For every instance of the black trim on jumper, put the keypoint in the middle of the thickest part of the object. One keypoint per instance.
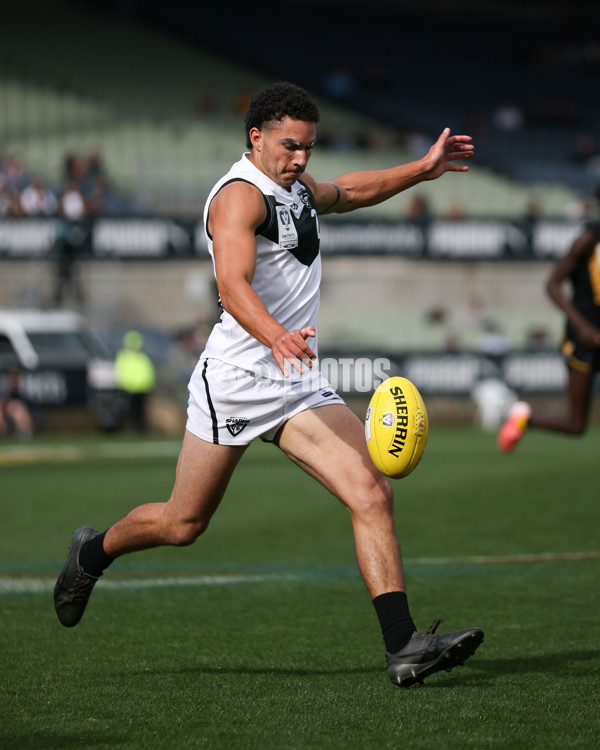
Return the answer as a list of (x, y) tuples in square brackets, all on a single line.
[(266, 223)]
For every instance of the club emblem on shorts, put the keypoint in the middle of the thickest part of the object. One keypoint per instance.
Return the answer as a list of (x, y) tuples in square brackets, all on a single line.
[(235, 425)]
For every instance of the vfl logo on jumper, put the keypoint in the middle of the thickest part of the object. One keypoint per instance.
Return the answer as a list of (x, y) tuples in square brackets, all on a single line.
[(235, 425), (288, 234)]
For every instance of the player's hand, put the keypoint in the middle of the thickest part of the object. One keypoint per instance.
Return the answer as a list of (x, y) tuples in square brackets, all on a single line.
[(446, 150), (292, 347)]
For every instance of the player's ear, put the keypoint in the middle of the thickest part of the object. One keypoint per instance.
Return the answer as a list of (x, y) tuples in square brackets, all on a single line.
[(255, 136)]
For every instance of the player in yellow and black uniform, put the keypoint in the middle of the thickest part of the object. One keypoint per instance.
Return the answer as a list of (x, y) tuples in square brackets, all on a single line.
[(581, 348), (581, 344)]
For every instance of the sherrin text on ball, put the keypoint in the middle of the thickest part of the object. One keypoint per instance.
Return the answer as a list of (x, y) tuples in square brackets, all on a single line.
[(396, 427)]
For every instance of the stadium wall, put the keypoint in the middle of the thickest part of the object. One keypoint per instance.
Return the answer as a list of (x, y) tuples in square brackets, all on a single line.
[(376, 303)]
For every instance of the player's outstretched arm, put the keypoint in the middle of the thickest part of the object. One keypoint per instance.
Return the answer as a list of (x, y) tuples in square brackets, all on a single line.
[(368, 188)]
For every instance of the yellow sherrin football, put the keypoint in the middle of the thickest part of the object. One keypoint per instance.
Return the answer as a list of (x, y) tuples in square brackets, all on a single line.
[(396, 427)]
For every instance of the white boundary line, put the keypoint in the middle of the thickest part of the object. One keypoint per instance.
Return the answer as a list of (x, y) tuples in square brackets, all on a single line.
[(504, 559), (25, 584), (15, 455), (39, 585)]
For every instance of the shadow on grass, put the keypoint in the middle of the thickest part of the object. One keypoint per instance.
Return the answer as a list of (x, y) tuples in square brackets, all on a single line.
[(457, 678), (549, 663), (266, 671), (544, 663)]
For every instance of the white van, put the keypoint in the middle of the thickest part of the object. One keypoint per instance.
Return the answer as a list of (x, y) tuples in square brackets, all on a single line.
[(61, 361)]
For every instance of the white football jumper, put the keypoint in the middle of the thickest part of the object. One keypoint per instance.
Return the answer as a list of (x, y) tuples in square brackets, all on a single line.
[(237, 391), (288, 269)]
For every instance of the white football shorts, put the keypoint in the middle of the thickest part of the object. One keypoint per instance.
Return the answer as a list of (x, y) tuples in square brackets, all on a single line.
[(229, 405)]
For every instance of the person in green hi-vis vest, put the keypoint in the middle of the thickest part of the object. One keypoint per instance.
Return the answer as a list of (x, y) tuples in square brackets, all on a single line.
[(136, 376)]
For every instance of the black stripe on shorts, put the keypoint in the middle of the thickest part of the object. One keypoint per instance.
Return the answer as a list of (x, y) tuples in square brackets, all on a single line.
[(213, 414)]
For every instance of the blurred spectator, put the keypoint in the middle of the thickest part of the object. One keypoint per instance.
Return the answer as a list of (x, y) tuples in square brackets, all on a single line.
[(67, 252), (440, 317), (72, 202), (455, 211), (418, 208), (136, 377), (242, 102), (8, 201), (75, 168), (538, 340), (13, 172), (15, 415), (508, 117), (494, 343), (380, 138), (417, 142), (531, 215), (493, 399), (533, 210), (83, 189), (206, 103), (190, 345), (95, 165), (97, 201), (37, 200)]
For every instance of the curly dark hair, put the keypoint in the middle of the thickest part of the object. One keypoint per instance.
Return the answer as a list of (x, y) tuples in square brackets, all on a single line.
[(279, 100)]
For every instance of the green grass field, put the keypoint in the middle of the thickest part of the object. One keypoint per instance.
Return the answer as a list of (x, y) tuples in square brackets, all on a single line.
[(262, 636)]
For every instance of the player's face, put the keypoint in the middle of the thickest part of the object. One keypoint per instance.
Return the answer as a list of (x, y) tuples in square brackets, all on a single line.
[(283, 149)]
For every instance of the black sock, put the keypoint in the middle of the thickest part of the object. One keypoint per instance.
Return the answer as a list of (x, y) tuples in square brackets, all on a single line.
[(92, 557), (397, 625)]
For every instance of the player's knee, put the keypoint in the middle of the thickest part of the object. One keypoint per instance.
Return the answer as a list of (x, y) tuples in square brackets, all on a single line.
[(376, 497), (184, 533)]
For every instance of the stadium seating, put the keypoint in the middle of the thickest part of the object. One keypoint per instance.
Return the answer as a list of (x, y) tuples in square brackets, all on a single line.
[(163, 114)]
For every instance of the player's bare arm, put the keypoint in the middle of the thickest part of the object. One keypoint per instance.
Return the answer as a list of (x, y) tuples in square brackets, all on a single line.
[(235, 213), (367, 188), (579, 252)]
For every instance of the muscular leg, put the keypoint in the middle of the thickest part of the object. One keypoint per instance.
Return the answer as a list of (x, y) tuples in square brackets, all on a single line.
[(329, 444), (575, 421), (203, 472)]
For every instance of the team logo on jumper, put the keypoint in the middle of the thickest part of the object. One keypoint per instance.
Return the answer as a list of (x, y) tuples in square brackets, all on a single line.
[(304, 197), (288, 234), (304, 201), (235, 425)]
